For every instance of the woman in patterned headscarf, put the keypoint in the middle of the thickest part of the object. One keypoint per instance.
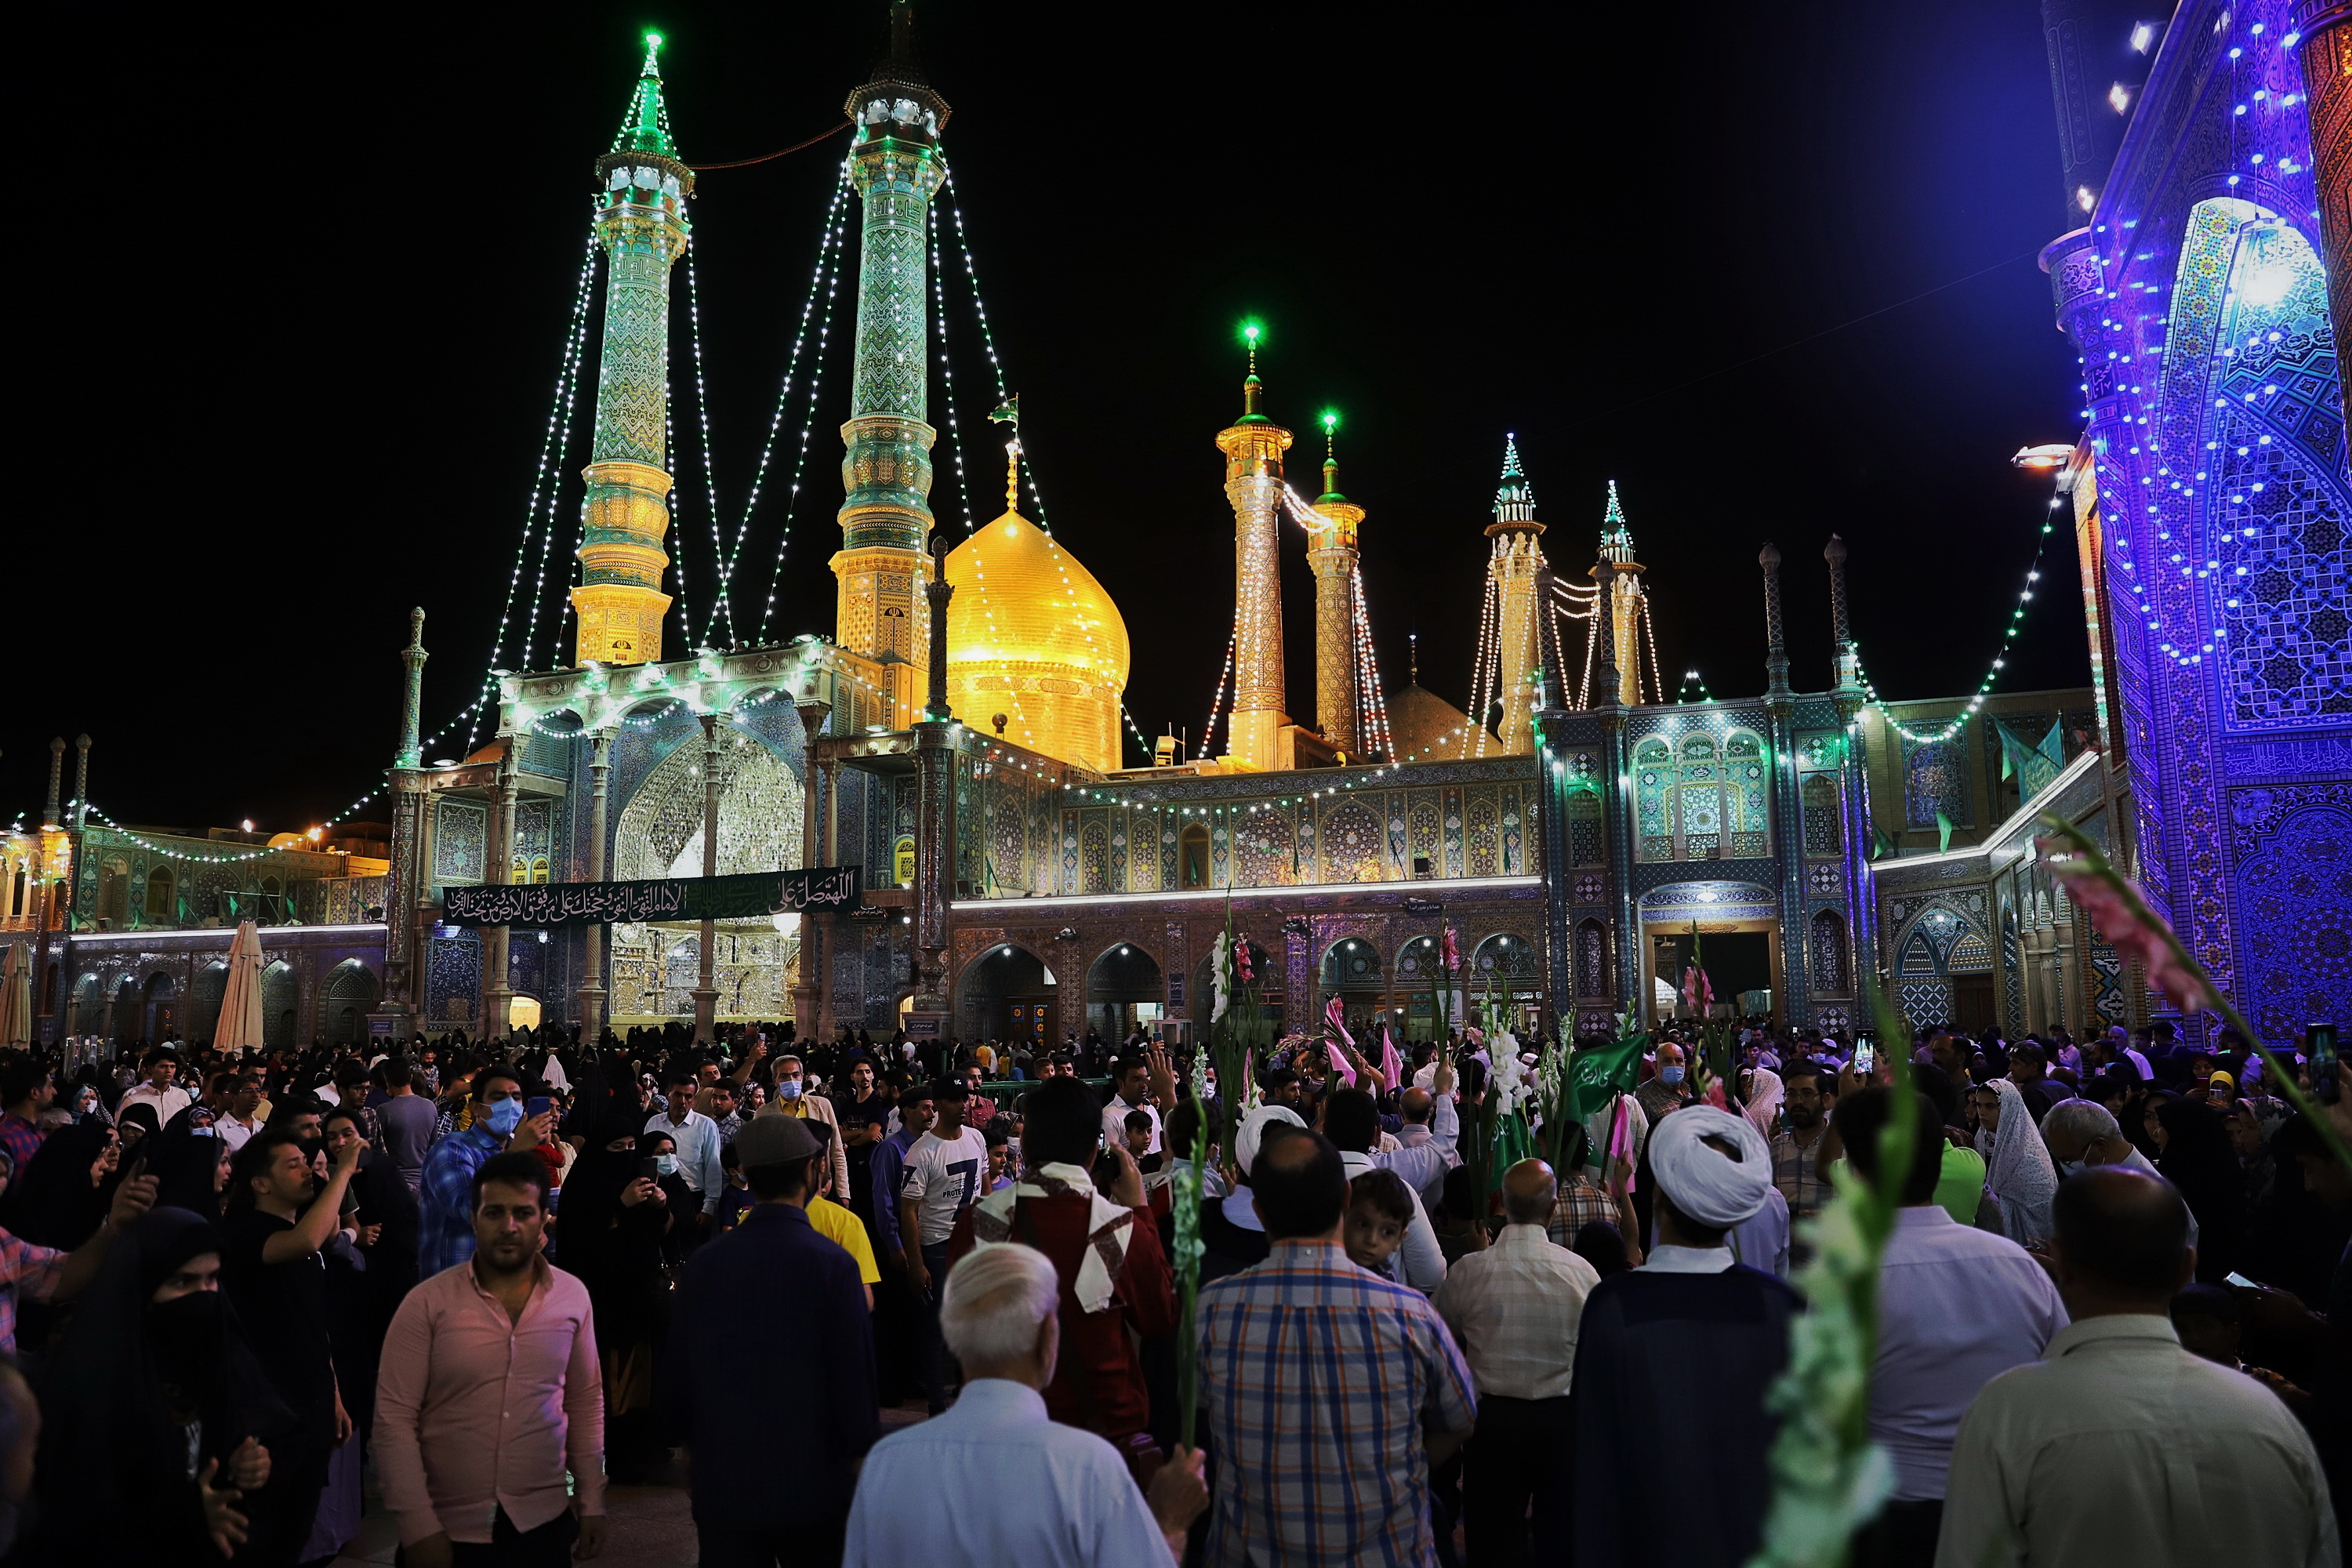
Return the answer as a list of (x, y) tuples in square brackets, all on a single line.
[(2018, 1170)]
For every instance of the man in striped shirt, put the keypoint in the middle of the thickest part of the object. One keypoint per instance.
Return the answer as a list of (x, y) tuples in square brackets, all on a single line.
[(1330, 1391)]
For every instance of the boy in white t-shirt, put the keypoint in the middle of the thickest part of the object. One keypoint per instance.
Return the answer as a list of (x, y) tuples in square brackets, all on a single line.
[(944, 1172)]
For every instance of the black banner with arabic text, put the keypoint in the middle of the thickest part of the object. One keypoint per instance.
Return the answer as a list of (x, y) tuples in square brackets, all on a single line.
[(547, 905)]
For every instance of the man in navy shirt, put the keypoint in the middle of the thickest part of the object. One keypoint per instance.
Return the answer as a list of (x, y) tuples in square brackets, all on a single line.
[(773, 1280)]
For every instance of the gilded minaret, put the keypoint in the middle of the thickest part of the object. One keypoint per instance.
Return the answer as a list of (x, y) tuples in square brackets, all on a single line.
[(1252, 445), (1333, 556), (1628, 609), (895, 164), (1516, 566), (641, 221)]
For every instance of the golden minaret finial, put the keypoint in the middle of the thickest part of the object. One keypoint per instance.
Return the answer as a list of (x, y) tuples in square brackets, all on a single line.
[(1012, 475)]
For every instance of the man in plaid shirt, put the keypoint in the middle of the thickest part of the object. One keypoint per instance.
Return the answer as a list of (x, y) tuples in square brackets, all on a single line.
[(1330, 1391), (1579, 1202)]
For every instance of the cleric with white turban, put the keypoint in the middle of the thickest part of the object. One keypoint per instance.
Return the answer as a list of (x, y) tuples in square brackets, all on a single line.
[(1677, 1357)]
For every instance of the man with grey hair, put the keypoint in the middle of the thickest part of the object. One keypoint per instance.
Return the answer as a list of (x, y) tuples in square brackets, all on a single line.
[(1017, 1487), (2083, 1134)]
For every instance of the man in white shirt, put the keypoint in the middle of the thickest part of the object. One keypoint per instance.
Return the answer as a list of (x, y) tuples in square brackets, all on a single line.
[(168, 1099), (1956, 1308), (2119, 1445), (243, 1118), (1430, 1144), (2082, 1133), (1515, 1309), (1003, 1484), (1129, 1078), (1351, 1121), (941, 1179), (697, 1137)]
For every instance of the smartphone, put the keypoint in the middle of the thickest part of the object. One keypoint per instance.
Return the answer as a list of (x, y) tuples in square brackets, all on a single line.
[(1865, 1058), (538, 1105), (649, 1169), (2239, 1280), (2319, 1050)]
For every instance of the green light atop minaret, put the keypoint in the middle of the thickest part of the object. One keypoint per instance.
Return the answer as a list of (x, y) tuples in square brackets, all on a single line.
[(646, 127)]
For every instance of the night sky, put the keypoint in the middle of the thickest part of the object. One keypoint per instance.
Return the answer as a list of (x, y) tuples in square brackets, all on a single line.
[(302, 309)]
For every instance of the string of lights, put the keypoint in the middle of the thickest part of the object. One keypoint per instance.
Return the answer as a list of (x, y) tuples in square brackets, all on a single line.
[(1992, 673), (1217, 703), (1374, 705), (678, 559), (828, 268), (554, 439), (721, 608), (261, 852), (1482, 672), (1691, 678), (828, 245)]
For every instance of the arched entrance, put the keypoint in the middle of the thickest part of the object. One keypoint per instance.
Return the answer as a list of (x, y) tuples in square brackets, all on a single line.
[(1008, 994), (156, 1017), (87, 1006), (1352, 971), (1202, 1000), (1425, 1001), (1507, 970), (1124, 989), (351, 994), (130, 1015), (280, 1004), (205, 1004)]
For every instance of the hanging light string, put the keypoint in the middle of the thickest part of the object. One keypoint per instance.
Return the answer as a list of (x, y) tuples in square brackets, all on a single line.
[(1217, 703), (1992, 673), (554, 438), (827, 266), (1691, 678), (722, 604), (262, 853), (1649, 641), (1374, 703), (947, 370), (678, 561), (1482, 671)]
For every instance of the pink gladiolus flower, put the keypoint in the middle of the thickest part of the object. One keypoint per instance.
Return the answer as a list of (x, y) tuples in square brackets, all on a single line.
[(1242, 961), (2109, 901), (1699, 992), (1450, 954)]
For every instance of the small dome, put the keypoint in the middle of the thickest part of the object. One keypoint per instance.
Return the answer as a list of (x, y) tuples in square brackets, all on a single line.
[(1033, 636)]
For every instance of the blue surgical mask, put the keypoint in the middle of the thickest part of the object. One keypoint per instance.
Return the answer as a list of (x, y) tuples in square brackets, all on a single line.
[(787, 1088), (1670, 1075), (506, 1115), (665, 1164), (2068, 1167)]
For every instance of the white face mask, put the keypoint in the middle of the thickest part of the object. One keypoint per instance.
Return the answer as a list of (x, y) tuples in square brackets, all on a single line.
[(2068, 1167)]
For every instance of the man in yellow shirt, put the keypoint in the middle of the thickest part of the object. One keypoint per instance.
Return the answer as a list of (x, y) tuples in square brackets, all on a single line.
[(792, 1099), (837, 1223)]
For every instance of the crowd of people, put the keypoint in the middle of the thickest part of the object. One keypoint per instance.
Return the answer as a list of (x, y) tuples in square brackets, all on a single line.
[(917, 1303)]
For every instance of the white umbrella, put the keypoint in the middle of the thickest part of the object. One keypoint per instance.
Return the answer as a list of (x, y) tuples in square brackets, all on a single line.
[(240, 1016), (15, 1000)]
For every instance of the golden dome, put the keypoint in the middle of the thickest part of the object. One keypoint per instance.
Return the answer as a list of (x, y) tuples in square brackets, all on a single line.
[(1032, 636)]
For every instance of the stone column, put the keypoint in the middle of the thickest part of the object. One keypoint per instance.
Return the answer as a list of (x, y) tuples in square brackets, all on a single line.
[(497, 989), (1252, 445), (50, 816), (1853, 783), (592, 995), (816, 798), (1794, 1005), (81, 781), (934, 862), (705, 990)]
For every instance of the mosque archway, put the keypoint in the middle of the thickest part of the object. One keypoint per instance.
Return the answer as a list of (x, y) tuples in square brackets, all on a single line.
[(1008, 994), (1508, 969), (87, 1004), (1352, 971), (156, 1013), (349, 995), (759, 809), (130, 1016), (280, 1007), (205, 1002), (1201, 1001), (1419, 982), (1124, 989)]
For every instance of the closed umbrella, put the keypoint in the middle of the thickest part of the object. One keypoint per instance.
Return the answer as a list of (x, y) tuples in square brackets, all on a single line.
[(15, 1000), (240, 1016)]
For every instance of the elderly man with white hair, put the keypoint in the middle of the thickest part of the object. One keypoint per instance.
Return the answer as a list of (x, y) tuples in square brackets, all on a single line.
[(2082, 1133), (999, 1482), (1676, 1357)]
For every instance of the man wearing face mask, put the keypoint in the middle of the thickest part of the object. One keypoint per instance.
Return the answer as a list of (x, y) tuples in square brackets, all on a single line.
[(696, 1138), (2081, 1134), (792, 1099), (1667, 1090), (445, 1195)]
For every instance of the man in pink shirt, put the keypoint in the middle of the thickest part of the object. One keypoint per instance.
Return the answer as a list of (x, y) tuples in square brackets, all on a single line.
[(489, 1389)]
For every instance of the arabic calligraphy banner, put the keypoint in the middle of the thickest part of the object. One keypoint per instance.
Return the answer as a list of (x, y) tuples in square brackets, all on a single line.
[(546, 905)]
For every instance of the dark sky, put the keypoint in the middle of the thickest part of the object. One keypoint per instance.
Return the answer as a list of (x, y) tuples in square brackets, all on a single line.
[(300, 313)]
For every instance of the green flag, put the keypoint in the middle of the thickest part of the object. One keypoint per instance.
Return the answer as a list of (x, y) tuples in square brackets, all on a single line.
[(1943, 833), (1598, 1073)]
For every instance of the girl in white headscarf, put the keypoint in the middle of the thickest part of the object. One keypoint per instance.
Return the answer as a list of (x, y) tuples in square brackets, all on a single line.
[(2018, 1170), (1761, 1103)]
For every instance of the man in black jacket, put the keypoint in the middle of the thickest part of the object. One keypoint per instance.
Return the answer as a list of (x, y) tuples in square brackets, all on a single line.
[(773, 1281)]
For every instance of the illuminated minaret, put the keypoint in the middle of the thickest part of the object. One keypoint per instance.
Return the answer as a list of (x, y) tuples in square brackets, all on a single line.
[(894, 161), (1333, 556), (1252, 445), (1516, 566), (641, 196), (1628, 609)]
